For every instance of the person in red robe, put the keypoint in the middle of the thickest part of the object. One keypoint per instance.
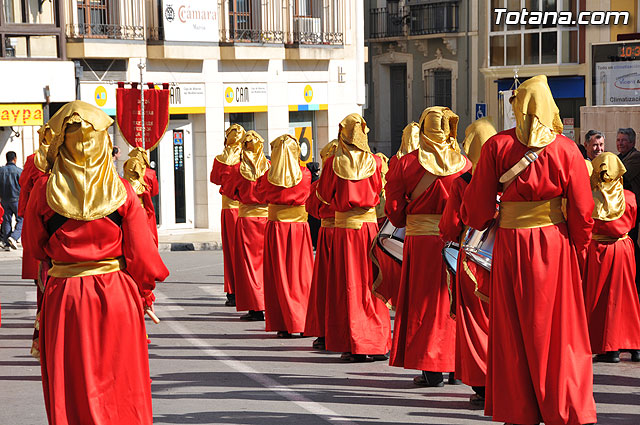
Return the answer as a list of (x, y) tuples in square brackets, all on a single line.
[(357, 323), (135, 172), (1, 218), (87, 222), (471, 307), (222, 166), (288, 251), (610, 294), (387, 283), (539, 363), (417, 190), (242, 185), (314, 324)]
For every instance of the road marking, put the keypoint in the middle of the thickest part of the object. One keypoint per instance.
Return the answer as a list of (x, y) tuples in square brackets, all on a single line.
[(198, 267), (167, 305), (31, 296), (310, 406), (212, 290)]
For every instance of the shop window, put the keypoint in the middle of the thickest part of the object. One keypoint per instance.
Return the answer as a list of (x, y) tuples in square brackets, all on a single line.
[(246, 120), (532, 44)]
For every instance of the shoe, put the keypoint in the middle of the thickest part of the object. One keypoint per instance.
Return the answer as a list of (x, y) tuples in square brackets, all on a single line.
[(635, 355), (284, 334), (12, 243), (452, 379), (379, 357), (318, 344), (231, 300), (355, 358), (476, 400), (608, 357), (253, 316), (429, 379), (6, 247)]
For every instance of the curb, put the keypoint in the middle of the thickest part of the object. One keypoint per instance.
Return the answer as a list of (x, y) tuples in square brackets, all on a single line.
[(189, 246)]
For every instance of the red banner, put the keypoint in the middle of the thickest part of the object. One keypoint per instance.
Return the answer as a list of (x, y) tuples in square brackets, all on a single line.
[(156, 115)]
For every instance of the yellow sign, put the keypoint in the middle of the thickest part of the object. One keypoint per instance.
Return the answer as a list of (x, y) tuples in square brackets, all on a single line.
[(100, 96), (308, 93), (228, 95), (305, 138), (20, 114)]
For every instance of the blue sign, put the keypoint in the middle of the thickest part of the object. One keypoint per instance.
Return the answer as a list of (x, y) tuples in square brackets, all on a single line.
[(481, 110)]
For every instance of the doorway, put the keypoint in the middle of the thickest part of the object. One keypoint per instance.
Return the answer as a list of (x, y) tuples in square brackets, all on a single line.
[(397, 104)]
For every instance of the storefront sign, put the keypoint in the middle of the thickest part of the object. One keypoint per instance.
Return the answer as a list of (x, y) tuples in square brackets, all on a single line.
[(305, 139), (20, 114), (245, 98), (186, 98), (307, 97), (190, 20), (617, 83), (101, 95), (156, 115)]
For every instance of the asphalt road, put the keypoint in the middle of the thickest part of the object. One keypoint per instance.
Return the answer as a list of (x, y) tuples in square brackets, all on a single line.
[(208, 367)]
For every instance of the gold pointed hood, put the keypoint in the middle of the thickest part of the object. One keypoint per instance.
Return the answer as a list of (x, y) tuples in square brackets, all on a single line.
[(134, 169), (537, 115), (410, 139), (253, 163), (606, 187), (475, 136), (353, 159), (285, 162), (84, 184), (232, 145), (439, 152)]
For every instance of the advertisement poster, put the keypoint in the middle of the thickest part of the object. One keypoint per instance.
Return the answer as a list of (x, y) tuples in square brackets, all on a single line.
[(617, 83), (190, 20)]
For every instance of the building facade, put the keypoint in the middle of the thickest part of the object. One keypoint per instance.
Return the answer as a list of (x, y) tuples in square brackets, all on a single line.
[(275, 66)]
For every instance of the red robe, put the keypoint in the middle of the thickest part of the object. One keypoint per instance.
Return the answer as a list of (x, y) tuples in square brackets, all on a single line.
[(356, 321), (1, 219), (539, 365), (288, 262), (228, 217), (315, 321), (151, 190), (424, 333), (248, 262), (609, 285), (472, 314), (94, 356), (27, 179)]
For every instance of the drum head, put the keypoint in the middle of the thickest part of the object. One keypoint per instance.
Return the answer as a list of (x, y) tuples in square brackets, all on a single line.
[(450, 256)]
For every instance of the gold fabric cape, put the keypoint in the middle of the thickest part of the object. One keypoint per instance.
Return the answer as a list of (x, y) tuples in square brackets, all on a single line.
[(285, 162), (537, 116), (84, 184), (232, 145), (475, 136), (134, 169), (410, 139), (353, 159), (253, 163), (439, 152), (606, 187)]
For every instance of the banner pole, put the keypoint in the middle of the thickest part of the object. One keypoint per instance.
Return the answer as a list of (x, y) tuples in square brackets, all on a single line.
[(141, 67)]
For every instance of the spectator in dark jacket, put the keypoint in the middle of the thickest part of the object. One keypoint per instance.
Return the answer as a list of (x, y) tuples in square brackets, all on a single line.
[(10, 193), (314, 223)]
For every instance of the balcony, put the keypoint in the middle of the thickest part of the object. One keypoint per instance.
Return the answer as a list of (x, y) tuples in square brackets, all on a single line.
[(415, 20), (105, 28)]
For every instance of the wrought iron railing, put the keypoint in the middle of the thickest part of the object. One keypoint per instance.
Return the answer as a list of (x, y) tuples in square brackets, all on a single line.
[(109, 19), (431, 18)]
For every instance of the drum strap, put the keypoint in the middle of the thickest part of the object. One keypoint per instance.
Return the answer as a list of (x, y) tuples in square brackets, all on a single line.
[(423, 185), (529, 157)]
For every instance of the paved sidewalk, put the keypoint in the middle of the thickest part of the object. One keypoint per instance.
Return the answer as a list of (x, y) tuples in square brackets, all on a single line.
[(189, 240)]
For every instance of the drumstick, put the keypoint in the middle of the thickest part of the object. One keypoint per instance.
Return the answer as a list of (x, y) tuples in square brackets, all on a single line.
[(152, 315)]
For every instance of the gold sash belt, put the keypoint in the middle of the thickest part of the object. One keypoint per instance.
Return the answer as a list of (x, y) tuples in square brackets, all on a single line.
[(87, 268), (228, 203), (423, 225), (287, 213), (608, 239), (354, 218), (328, 222), (529, 215), (252, 210)]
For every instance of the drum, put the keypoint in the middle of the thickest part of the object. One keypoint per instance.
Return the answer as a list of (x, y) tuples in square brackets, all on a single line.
[(450, 255), (478, 245), (390, 239)]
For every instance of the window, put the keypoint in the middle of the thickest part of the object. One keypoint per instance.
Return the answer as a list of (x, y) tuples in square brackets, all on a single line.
[(240, 19), (438, 84), (96, 18), (547, 43), (28, 29), (28, 12)]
